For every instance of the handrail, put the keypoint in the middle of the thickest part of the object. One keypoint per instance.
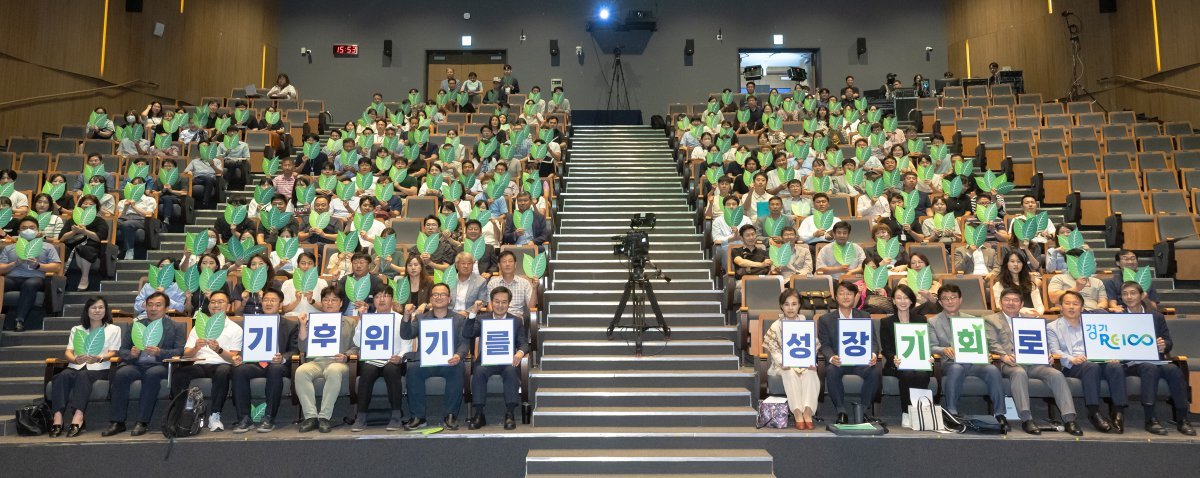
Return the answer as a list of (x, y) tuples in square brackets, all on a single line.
[(1155, 83), (126, 84)]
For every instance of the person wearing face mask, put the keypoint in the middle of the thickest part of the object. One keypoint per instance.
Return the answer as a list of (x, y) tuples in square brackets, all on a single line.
[(173, 292), (273, 371), (85, 241), (170, 195), (71, 389), (27, 276), (145, 366)]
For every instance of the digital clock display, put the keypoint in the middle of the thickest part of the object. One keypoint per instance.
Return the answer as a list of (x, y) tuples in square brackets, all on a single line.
[(345, 51)]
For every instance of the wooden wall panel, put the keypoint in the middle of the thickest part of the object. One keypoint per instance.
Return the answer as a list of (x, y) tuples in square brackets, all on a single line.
[(54, 47)]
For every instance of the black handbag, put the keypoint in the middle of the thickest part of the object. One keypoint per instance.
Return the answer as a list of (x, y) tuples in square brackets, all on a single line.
[(33, 419)]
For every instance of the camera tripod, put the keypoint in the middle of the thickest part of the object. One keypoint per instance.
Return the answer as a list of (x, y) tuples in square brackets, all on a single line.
[(618, 86), (638, 289)]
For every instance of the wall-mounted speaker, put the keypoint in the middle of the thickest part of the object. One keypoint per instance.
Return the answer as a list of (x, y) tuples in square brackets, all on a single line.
[(133, 6), (553, 47), (387, 48), (689, 47), (862, 46)]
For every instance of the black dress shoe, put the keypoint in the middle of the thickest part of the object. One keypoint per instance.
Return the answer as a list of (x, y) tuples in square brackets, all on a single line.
[(1154, 427), (451, 422), (113, 429), (308, 425), (1185, 427), (476, 422), (1004, 426), (139, 429), (323, 425), (1117, 418), (1073, 428), (20, 327), (1100, 423), (55, 431), (510, 422), (414, 423), (843, 419), (1030, 427), (74, 430)]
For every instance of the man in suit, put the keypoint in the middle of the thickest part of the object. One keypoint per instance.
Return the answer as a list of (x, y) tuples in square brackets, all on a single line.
[(471, 290), (538, 235), (451, 371), (273, 371), (942, 343), (976, 260), (487, 263), (1135, 301), (145, 365), (510, 373), (1000, 342), (1064, 337), (829, 338)]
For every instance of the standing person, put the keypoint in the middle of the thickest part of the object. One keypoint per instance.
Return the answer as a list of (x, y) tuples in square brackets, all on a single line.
[(1135, 301), (144, 365), (511, 374), (27, 276), (273, 371), (213, 359), (942, 343), (509, 82), (391, 370), (71, 389), (802, 386), (1000, 342), (332, 369), (451, 371), (905, 301), (827, 335), (1064, 338)]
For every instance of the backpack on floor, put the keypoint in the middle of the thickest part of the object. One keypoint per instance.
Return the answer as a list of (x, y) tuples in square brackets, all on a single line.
[(186, 414)]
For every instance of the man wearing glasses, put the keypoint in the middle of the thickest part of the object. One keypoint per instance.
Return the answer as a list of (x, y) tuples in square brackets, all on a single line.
[(941, 339), (452, 371)]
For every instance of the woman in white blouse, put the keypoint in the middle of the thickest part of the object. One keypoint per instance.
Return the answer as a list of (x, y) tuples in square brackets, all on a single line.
[(71, 388), (295, 303), (802, 386), (133, 217), (283, 89), (43, 203)]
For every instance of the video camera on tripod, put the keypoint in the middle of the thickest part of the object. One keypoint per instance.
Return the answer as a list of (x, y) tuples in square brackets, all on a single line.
[(635, 245)]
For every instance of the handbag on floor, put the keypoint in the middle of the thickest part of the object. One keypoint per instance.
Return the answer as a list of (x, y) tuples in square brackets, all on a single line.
[(34, 419), (924, 416), (772, 412)]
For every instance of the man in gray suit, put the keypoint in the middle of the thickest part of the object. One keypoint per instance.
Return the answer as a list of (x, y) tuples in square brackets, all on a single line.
[(1000, 342), (941, 339), (471, 289)]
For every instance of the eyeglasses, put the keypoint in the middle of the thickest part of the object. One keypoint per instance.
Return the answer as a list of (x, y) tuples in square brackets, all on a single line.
[(439, 294)]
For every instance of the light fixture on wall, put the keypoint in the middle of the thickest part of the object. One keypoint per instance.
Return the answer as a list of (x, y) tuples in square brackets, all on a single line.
[(720, 36), (522, 35), (466, 40), (777, 39)]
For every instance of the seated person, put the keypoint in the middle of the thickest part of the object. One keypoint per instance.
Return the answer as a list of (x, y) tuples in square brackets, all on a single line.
[(511, 374), (539, 235), (829, 338), (801, 386), (391, 370), (273, 371), (827, 261), (1064, 338), (133, 218), (212, 359), (441, 257), (942, 343), (522, 289), (452, 371), (1015, 275), (333, 369), (145, 366), (71, 389), (173, 292), (809, 232), (1135, 301), (27, 276)]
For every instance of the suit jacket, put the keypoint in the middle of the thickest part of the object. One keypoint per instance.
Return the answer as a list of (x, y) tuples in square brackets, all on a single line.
[(827, 332), (1160, 330), (940, 334), (173, 339), (541, 233), (490, 262), (410, 329), (964, 261), (348, 324), (999, 334), (474, 327), (476, 290), (887, 335)]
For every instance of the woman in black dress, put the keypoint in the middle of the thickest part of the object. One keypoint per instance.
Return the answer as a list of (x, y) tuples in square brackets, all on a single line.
[(904, 299), (85, 242)]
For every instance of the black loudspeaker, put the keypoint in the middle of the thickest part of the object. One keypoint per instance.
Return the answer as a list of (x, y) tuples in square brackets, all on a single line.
[(862, 46), (387, 48), (1108, 6), (133, 6), (553, 47), (689, 47)]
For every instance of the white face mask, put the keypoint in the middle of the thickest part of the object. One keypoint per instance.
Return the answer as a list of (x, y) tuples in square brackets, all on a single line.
[(130, 119), (29, 234)]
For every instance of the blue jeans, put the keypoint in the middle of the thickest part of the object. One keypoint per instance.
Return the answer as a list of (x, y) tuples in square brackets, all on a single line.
[(128, 230), (452, 396), (166, 206), (953, 379)]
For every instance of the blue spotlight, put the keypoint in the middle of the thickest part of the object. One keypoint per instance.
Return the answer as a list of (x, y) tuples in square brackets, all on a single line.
[(603, 15)]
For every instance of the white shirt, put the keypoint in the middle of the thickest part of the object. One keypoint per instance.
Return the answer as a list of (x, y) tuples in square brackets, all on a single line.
[(290, 296), (112, 341), (341, 210), (977, 260), (19, 200), (377, 228), (230, 339)]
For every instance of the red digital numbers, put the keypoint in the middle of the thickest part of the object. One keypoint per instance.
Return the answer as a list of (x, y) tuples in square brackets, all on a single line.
[(345, 50)]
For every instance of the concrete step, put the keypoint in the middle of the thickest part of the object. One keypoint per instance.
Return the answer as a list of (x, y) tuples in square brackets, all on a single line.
[(643, 397), (136, 265), (658, 417), (34, 337), (77, 309), (121, 285), (608, 231), (598, 332), (659, 257), (25, 368), (20, 386), (649, 361), (569, 313), (591, 284), (31, 352), (614, 294), (110, 296), (612, 263), (676, 240), (560, 348), (600, 274), (642, 379), (59, 324), (602, 243)]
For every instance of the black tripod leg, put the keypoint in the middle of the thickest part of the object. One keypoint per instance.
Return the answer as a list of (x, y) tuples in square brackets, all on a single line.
[(657, 310), (620, 309)]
